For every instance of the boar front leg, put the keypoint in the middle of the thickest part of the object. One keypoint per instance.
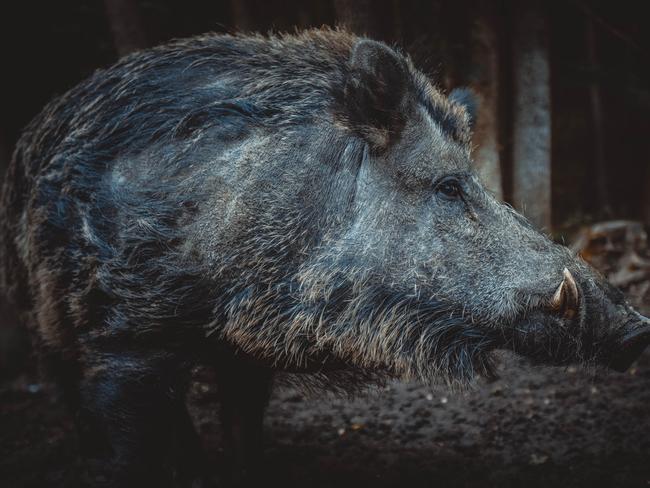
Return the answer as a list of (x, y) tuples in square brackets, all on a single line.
[(244, 391), (134, 426)]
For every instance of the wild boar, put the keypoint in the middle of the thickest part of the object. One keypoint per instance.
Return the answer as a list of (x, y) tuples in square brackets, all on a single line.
[(300, 203)]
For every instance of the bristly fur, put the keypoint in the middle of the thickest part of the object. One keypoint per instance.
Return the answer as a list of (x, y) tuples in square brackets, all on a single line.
[(86, 248), (374, 330)]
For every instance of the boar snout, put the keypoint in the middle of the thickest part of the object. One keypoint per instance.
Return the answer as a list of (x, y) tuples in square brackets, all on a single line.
[(632, 344), (582, 319)]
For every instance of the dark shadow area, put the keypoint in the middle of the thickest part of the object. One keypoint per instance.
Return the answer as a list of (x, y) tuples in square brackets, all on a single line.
[(532, 427)]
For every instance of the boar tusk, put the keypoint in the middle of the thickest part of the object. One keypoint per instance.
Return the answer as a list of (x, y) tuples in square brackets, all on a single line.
[(566, 299)]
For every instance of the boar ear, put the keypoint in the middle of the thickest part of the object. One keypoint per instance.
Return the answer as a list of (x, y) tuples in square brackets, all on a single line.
[(375, 92), (467, 99)]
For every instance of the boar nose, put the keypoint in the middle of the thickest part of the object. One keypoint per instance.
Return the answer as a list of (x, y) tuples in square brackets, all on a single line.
[(566, 299), (631, 346)]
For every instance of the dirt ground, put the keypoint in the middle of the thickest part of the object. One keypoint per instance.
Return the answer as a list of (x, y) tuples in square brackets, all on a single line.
[(532, 427)]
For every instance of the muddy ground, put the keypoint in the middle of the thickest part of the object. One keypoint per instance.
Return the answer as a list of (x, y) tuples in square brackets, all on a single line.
[(530, 428)]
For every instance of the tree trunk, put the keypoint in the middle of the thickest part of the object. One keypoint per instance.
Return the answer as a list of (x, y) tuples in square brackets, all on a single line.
[(5, 155), (531, 151), (595, 100), (241, 15), (485, 82), (646, 195), (125, 25), (356, 16), (363, 17)]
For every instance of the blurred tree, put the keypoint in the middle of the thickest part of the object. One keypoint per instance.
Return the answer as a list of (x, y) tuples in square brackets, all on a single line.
[(379, 19), (357, 16), (646, 193), (242, 19), (485, 80), (4, 156), (531, 138), (595, 100), (125, 24)]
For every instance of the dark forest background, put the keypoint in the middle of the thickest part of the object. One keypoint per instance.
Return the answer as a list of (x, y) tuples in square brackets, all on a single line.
[(564, 125)]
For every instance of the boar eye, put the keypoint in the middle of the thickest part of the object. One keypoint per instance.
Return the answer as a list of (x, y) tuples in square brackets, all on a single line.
[(449, 188)]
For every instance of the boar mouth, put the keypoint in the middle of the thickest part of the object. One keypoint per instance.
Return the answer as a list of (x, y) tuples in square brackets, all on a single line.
[(547, 342), (630, 345)]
